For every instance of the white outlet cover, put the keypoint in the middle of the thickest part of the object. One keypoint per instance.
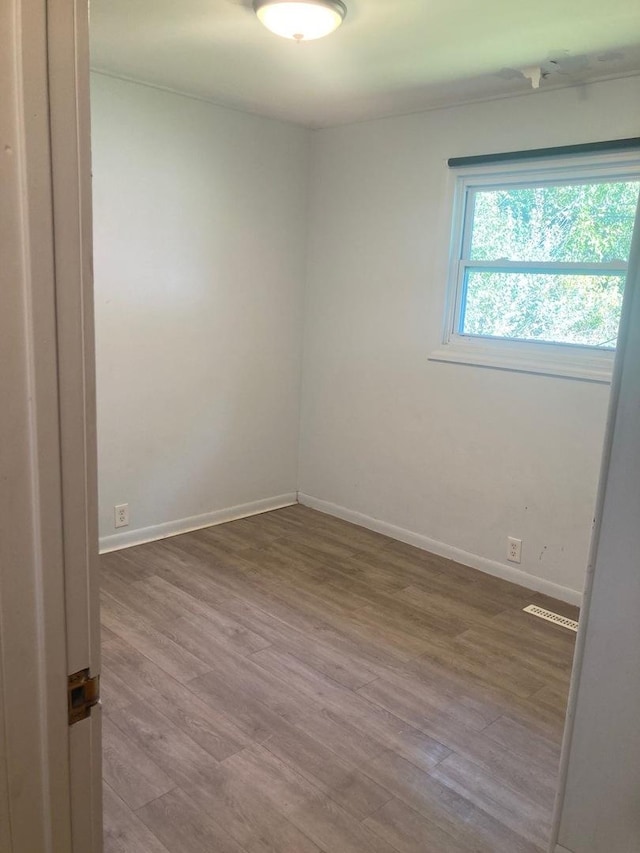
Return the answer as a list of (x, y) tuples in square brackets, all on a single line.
[(514, 550), (121, 515)]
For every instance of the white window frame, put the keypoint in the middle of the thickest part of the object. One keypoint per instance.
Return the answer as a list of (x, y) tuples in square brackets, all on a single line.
[(554, 359)]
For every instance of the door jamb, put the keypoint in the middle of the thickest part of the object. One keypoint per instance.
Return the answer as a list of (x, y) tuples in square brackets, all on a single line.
[(70, 134)]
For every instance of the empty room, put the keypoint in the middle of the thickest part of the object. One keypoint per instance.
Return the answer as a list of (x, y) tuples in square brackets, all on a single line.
[(358, 279)]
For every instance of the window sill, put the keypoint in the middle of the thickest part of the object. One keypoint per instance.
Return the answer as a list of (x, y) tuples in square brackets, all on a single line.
[(543, 359)]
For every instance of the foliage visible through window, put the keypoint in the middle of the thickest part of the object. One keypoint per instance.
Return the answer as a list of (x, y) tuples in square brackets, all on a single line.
[(546, 262)]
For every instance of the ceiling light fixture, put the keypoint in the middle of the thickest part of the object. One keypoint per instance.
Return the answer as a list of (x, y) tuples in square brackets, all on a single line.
[(301, 20)]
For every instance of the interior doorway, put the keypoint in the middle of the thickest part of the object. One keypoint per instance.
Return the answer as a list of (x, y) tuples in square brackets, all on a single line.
[(60, 165)]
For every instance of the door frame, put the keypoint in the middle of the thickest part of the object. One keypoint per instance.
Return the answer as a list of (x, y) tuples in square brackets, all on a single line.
[(70, 134), (50, 796)]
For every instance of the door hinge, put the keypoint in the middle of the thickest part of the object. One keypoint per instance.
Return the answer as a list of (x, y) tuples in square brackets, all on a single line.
[(83, 692)]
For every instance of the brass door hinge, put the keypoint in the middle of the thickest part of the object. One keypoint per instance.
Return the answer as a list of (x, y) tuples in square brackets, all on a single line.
[(83, 692)]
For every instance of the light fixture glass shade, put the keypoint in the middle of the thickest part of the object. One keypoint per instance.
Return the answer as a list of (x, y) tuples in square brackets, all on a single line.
[(302, 20)]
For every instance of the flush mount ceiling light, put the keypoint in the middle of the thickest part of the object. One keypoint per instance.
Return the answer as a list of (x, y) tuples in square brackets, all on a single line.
[(301, 20)]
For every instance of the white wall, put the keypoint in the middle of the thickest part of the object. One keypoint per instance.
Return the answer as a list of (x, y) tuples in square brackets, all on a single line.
[(463, 456), (199, 218), (200, 223)]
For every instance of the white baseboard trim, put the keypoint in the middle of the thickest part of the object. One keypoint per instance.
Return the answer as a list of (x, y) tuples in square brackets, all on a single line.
[(129, 538), (474, 561)]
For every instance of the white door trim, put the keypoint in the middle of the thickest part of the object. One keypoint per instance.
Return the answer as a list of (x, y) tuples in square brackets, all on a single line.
[(68, 63), (49, 798), (32, 614)]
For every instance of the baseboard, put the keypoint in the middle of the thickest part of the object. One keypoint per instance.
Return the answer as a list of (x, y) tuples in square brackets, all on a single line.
[(474, 561), (116, 541)]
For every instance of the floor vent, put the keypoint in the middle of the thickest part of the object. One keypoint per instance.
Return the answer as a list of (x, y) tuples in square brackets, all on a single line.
[(552, 617)]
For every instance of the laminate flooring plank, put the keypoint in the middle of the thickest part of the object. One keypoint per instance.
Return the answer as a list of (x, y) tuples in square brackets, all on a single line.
[(527, 774), (128, 564), (222, 539), (523, 741), (107, 636), (409, 555), (327, 617), (247, 814), (192, 584), (373, 571), (184, 828), (538, 718), (169, 656), (328, 656), (517, 661), (314, 596), (440, 804), (439, 706), (432, 684), (300, 609), (541, 634), (473, 587), (362, 591), (205, 637), (203, 559), (536, 658), (553, 697), (305, 806), (495, 798), (179, 757), (466, 614), (377, 631), (418, 707), (282, 523), (129, 770), (115, 692), (124, 832), (418, 621), (492, 668), (381, 725), (157, 588), (227, 566), (355, 742), (131, 595), (173, 554), (365, 542), (238, 535), (338, 778), (215, 732), (256, 720), (410, 832), (489, 699), (424, 568), (133, 677), (320, 523), (310, 546), (246, 676), (142, 676), (311, 575)]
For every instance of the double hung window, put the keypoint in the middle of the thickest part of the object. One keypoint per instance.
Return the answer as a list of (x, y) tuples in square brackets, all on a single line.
[(538, 263)]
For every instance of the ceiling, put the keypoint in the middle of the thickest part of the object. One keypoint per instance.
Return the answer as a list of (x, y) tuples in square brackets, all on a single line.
[(388, 58)]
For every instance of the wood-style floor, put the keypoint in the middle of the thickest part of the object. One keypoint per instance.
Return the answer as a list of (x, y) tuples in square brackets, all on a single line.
[(290, 683)]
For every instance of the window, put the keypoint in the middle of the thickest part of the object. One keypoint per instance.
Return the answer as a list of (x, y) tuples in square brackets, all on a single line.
[(538, 263)]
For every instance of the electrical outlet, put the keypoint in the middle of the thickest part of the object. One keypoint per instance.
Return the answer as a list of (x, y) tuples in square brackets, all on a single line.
[(121, 515), (514, 550)]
